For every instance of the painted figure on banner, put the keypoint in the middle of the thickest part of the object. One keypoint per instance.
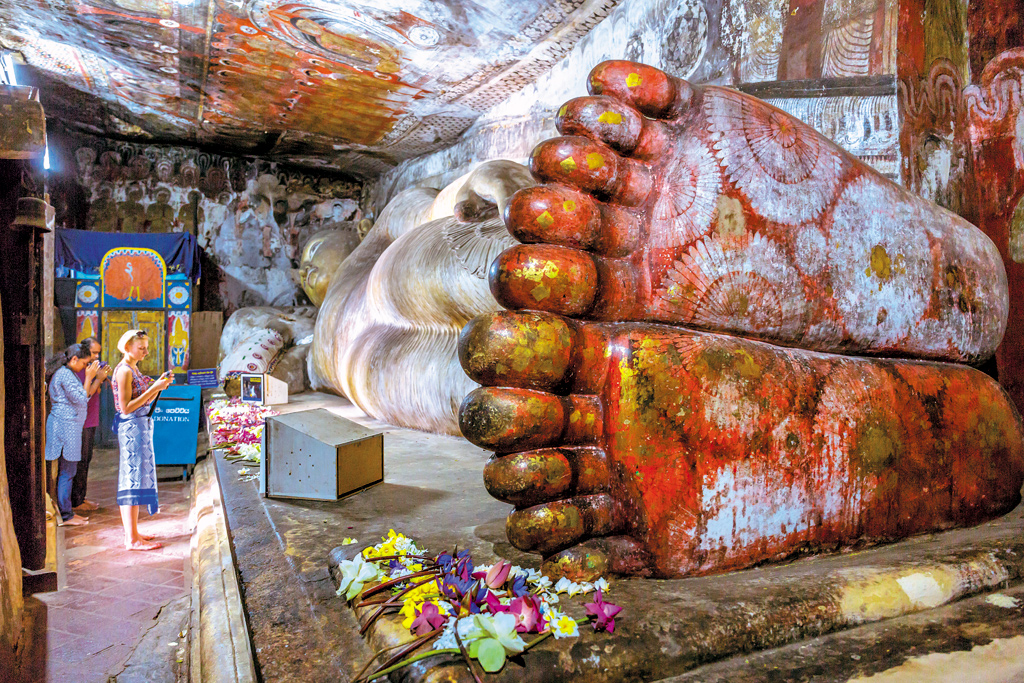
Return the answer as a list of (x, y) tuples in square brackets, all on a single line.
[(177, 341), (133, 278), (87, 324)]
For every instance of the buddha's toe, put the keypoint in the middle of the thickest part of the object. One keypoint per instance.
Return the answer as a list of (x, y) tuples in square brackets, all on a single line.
[(570, 282), (597, 557), (547, 474), (527, 350), (650, 91), (616, 124), (555, 214), (551, 527), (508, 420), (593, 167)]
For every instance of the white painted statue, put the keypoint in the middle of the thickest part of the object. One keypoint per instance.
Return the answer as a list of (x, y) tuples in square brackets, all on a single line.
[(386, 334)]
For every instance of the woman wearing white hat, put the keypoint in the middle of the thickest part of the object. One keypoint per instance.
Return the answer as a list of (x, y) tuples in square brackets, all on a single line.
[(133, 394)]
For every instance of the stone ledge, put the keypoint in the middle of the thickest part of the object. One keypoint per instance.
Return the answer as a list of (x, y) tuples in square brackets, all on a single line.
[(671, 627), (220, 648), (932, 645)]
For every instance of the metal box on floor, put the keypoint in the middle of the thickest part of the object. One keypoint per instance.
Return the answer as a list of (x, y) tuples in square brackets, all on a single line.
[(316, 454)]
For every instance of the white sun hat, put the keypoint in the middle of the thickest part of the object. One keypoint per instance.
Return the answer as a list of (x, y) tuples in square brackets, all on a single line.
[(122, 343)]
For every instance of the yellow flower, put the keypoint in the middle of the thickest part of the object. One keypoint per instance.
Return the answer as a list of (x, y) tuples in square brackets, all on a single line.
[(423, 591), (409, 612), (564, 626)]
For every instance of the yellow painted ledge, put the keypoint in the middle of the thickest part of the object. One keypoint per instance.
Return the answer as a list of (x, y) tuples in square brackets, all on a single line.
[(872, 595)]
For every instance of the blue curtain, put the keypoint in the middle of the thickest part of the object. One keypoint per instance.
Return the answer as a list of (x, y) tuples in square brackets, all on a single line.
[(83, 250)]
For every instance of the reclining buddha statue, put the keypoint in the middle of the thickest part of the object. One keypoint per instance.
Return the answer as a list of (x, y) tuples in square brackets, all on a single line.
[(387, 329), (728, 341)]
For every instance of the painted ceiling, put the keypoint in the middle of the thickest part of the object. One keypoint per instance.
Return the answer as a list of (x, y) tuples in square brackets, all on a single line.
[(350, 85)]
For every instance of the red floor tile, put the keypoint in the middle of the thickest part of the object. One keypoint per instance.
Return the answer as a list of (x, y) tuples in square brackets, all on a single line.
[(113, 595)]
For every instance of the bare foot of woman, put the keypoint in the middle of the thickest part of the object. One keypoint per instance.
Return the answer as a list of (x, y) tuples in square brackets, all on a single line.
[(77, 520), (142, 544), (146, 537)]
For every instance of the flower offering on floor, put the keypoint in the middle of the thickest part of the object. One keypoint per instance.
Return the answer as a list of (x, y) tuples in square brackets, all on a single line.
[(478, 612), (237, 427)]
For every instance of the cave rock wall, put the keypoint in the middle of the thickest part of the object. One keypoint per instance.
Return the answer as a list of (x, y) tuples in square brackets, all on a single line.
[(251, 217)]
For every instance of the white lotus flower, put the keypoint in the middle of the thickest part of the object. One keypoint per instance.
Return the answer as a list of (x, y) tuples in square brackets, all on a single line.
[(501, 627), (354, 574)]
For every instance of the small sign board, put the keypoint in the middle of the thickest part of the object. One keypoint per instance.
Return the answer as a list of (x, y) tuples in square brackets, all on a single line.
[(206, 377), (263, 389)]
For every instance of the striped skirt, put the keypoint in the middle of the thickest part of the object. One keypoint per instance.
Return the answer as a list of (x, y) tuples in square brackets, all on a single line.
[(136, 477)]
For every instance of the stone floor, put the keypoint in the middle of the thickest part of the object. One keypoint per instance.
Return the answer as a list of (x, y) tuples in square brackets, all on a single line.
[(113, 596)]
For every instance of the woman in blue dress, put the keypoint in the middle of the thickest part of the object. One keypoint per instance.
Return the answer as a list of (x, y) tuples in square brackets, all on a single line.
[(133, 394), (69, 404)]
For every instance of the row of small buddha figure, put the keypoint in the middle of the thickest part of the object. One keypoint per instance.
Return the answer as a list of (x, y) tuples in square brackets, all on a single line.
[(131, 215)]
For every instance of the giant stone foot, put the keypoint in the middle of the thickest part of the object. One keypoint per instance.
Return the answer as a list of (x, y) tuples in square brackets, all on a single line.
[(630, 442), (703, 206), (641, 448)]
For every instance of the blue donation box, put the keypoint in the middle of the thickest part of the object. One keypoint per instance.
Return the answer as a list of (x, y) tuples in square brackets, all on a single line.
[(176, 425)]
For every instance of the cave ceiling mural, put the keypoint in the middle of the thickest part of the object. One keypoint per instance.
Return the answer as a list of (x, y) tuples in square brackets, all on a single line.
[(351, 86)]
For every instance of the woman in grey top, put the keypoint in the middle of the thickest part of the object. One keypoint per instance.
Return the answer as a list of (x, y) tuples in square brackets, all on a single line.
[(69, 403)]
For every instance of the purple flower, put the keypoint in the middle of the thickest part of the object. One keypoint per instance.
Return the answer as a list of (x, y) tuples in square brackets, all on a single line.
[(519, 588), (464, 568), (603, 612), (475, 600), (445, 560), (428, 619), (526, 610), (454, 587), (456, 581)]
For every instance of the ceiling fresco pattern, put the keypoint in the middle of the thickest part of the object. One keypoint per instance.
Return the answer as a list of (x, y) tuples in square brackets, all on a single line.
[(356, 86)]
